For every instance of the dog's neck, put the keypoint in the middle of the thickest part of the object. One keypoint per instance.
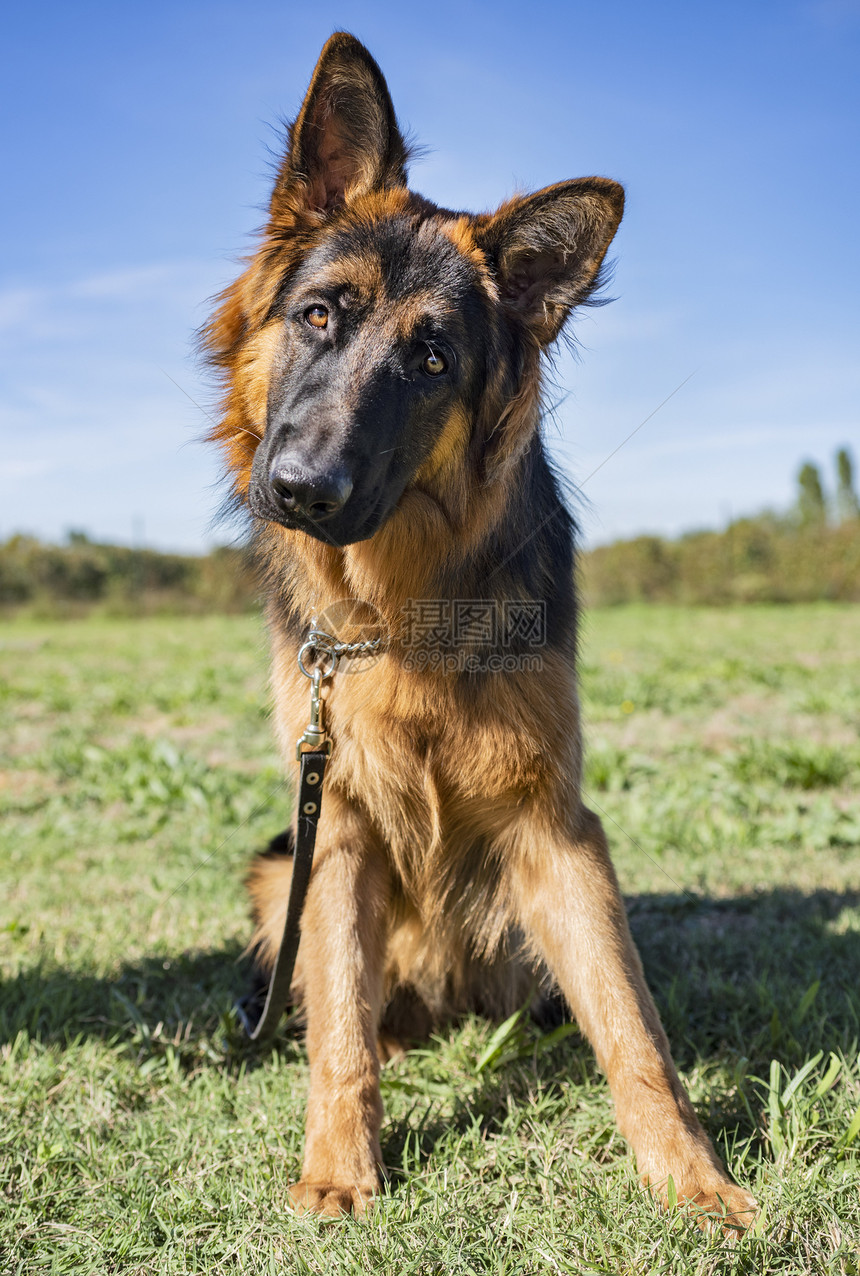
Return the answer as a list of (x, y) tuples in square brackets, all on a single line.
[(505, 536)]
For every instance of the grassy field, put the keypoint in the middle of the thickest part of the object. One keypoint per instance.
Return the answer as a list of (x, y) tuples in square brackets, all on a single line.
[(136, 1135)]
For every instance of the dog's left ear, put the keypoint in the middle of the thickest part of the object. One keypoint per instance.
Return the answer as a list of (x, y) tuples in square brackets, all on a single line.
[(345, 141), (547, 249)]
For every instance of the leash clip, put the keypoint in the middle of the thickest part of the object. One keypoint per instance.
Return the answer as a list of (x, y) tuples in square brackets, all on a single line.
[(320, 644), (314, 737)]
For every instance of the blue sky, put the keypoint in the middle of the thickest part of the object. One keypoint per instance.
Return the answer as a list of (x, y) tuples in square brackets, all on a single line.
[(135, 152)]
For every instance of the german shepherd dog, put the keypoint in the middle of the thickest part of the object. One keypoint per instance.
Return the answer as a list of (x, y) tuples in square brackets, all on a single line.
[(381, 361)]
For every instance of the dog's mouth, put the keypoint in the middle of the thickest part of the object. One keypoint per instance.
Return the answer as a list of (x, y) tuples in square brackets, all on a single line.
[(338, 495), (341, 533), (360, 518)]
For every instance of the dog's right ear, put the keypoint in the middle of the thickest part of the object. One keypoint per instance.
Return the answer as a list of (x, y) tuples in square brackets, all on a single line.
[(345, 141)]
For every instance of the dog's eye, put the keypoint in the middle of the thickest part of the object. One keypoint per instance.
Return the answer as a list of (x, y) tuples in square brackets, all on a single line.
[(317, 316), (433, 364)]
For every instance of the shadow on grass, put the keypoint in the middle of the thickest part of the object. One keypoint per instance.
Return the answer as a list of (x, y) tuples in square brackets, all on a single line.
[(738, 981), (736, 976), (765, 975), (172, 990)]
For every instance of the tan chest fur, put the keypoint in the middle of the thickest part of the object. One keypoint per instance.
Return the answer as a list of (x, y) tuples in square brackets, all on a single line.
[(441, 767)]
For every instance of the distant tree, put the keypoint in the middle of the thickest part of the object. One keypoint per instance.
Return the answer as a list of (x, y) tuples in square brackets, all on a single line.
[(811, 508), (847, 503)]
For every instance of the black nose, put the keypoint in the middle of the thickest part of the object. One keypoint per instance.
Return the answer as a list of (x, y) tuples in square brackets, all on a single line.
[(316, 496)]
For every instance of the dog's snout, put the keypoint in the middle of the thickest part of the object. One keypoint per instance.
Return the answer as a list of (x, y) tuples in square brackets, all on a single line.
[(315, 496)]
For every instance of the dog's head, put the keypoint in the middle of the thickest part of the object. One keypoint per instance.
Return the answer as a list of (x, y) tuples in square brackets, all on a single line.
[(375, 342)]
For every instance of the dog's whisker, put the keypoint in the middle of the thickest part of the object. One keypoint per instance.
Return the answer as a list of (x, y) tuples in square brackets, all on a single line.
[(577, 487), (322, 531), (181, 389)]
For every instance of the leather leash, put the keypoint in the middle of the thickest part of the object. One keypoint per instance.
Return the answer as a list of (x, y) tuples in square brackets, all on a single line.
[(313, 750)]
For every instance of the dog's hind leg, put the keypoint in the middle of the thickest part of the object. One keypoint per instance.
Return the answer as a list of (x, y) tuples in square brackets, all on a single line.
[(564, 893), (344, 932), (268, 884)]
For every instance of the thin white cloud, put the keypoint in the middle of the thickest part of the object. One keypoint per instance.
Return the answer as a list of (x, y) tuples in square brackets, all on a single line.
[(12, 470), (17, 305), (61, 310), (743, 437)]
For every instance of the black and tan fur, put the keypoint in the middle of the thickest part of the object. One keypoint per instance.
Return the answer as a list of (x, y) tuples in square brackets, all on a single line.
[(381, 360)]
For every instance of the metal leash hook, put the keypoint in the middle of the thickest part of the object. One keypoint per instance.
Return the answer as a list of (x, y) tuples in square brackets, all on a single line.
[(314, 735), (321, 643)]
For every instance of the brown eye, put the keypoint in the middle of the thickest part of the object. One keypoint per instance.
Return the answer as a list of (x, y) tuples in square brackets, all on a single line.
[(433, 364), (317, 316)]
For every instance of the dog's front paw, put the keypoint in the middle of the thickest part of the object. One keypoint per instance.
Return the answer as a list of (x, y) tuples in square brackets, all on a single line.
[(721, 1206), (330, 1199)]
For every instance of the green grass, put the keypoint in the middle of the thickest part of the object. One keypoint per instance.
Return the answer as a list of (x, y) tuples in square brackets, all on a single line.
[(136, 1134)]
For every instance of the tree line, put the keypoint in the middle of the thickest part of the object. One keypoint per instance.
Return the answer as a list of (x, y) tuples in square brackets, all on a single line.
[(810, 552), (82, 575)]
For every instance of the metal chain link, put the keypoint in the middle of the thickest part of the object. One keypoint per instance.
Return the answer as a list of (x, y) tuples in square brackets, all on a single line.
[(321, 641)]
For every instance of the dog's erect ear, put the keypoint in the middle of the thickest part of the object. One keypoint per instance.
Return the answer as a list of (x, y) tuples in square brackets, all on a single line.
[(345, 141), (546, 249)]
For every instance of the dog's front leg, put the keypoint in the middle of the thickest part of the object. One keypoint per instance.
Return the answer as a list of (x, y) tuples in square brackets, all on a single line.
[(342, 953), (565, 893)]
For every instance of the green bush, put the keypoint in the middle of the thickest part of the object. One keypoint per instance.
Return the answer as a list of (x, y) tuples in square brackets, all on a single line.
[(57, 580), (764, 559)]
